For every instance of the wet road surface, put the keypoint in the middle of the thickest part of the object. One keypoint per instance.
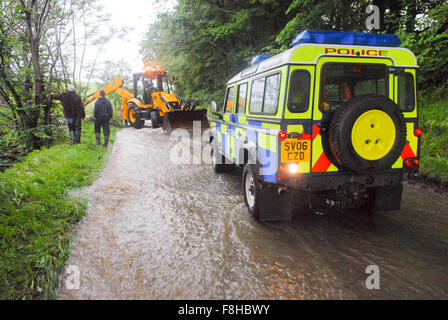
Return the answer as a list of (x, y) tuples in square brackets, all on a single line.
[(157, 230)]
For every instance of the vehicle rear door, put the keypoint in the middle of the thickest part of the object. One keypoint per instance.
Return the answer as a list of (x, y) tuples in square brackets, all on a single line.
[(338, 80)]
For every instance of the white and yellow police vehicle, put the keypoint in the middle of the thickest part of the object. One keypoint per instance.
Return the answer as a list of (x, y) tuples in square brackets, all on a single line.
[(331, 120)]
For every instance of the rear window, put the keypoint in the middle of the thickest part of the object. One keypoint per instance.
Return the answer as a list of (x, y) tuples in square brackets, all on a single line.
[(341, 82), (406, 92)]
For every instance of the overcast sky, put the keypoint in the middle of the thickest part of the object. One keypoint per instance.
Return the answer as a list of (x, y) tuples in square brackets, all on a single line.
[(136, 14)]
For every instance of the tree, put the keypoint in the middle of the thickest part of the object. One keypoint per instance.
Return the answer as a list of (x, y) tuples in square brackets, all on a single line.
[(39, 44), (421, 25), (23, 25), (111, 70), (204, 43)]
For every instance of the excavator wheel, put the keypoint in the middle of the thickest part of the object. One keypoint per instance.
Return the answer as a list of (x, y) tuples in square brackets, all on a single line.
[(134, 120), (156, 119)]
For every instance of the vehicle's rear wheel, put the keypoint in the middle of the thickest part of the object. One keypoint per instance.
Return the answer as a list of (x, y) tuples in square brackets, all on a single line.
[(134, 120), (156, 119), (251, 190)]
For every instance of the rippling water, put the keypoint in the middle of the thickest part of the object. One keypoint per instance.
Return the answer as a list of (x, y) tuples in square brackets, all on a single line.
[(155, 230)]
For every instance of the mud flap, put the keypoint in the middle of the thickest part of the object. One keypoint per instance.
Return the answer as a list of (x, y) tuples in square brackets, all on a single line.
[(274, 206), (388, 198)]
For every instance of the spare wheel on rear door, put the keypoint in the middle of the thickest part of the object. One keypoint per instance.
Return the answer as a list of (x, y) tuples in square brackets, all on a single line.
[(367, 133)]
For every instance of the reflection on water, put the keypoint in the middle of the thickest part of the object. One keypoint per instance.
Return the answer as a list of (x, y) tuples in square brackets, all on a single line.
[(155, 230)]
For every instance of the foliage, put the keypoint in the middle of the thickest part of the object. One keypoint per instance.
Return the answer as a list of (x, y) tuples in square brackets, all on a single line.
[(323, 15), (430, 44), (38, 216), (110, 71), (434, 147), (43, 47), (204, 43)]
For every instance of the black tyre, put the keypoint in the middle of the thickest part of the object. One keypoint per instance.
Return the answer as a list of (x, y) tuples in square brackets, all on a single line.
[(251, 190), (219, 161), (133, 118), (156, 119), (367, 134)]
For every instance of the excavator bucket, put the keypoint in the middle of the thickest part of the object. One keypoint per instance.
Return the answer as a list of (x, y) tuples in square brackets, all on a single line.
[(184, 119)]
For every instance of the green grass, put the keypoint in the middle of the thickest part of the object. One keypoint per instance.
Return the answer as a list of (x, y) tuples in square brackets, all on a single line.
[(434, 148), (38, 217)]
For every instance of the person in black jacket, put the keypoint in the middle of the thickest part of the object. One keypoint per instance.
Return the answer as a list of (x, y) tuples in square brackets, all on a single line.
[(102, 112), (73, 112)]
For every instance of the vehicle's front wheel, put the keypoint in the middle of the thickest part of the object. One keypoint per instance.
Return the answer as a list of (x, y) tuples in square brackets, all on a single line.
[(156, 119), (134, 120), (251, 190)]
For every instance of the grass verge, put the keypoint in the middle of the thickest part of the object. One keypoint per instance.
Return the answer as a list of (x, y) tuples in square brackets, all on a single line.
[(38, 217), (434, 144)]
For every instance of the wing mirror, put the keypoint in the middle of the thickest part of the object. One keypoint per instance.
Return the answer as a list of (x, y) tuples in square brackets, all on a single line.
[(214, 107)]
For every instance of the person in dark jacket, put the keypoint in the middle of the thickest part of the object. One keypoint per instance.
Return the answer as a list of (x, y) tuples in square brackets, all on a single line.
[(102, 112), (73, 112)]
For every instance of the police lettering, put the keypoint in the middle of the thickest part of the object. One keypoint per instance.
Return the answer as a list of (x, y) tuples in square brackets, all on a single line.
[(357, 52)]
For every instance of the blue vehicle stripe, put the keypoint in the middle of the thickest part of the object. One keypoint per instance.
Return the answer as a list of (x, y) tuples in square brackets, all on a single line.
[(269, 164), (238, 145), (223, 142), (255, 123)]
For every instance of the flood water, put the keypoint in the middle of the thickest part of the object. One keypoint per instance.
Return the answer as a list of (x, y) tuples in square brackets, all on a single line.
[(158, 230)]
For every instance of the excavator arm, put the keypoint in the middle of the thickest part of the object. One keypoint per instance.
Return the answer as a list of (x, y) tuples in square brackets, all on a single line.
[(114, 85)]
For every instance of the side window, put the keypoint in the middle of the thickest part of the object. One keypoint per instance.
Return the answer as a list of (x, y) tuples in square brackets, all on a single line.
[(256, 96), (299, 91), (229, 100), (242, 97), (406, 92), (264, 94), (271, 94)]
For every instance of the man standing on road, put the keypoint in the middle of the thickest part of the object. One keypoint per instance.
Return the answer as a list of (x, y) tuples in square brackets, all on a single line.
[(73, 112), (102, 112)]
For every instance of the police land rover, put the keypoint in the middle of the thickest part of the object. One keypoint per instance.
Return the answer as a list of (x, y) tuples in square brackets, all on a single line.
[(332, 120)]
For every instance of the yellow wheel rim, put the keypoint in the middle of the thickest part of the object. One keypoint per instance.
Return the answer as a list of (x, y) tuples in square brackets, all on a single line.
[(131, 115), (373, 135)]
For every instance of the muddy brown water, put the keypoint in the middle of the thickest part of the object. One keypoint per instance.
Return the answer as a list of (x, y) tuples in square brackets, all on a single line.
[(158, 230)]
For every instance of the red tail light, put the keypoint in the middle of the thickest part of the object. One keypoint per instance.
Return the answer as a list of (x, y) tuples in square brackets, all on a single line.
[(418, 132), (282, 135), (408, 163)]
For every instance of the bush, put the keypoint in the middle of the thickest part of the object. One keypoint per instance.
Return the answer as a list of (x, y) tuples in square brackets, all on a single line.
[(434, 144)]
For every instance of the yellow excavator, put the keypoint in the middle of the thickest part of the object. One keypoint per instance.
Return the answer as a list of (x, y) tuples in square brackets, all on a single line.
[(151, 99)]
